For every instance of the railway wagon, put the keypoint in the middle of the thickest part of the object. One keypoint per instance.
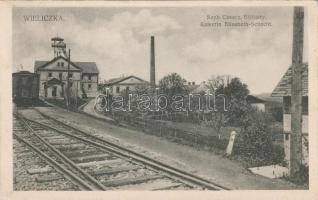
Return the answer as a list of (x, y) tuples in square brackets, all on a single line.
[(25, 88)]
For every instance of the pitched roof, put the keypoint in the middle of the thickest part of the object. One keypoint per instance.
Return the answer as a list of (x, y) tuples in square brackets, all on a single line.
[(191, 88), (254, 99), (120, 79), (87, 67), (24, 72), (283, 88), (54, 81)]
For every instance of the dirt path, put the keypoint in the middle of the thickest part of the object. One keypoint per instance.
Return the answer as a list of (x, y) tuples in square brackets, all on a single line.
[(221, 170), (89, 108)]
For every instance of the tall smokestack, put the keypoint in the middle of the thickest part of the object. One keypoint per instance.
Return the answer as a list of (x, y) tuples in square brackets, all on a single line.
[(152, 62)]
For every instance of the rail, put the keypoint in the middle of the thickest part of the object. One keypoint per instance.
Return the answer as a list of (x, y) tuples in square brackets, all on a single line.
[(122, 151)]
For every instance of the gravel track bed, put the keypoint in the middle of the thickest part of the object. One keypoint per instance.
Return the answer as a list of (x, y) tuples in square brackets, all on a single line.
[(25, 159)]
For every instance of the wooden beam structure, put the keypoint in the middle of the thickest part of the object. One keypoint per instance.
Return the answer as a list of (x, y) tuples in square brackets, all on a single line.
[(68, 79), (296, 92)]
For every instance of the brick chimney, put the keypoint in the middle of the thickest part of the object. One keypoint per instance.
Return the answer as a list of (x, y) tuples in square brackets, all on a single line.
[(152, 62)]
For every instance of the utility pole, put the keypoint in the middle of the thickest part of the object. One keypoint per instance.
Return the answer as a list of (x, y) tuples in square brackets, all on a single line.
[(76, 94), (296, 92), (152, 63), (68, 80)]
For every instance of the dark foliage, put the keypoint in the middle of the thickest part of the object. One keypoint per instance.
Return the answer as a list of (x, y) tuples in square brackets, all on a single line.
[(255, 140), (302, 177), (277, 112)]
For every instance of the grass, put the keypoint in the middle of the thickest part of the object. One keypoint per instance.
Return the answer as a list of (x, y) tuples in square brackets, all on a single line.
[(62, 103), (225, 132)]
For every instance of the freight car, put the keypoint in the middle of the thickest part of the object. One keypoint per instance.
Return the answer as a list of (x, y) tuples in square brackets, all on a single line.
[(25, 88)]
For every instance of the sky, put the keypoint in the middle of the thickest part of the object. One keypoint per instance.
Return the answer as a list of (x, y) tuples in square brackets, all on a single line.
[(118, 40)]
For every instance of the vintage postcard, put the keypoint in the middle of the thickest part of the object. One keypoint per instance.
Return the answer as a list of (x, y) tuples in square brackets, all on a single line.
[(150, 97)]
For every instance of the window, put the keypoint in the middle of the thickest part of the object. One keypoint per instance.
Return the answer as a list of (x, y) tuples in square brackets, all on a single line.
[(286, 136), (287, 104), (58, 64), (117, 89), (71, 84), (62, 64), (89, 77), (50, 74), (89, 86), (60, 76), (70, 75)]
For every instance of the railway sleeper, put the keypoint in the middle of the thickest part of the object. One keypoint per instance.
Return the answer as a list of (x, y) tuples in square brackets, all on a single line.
[(70, 147), (46, 169), (113, 171), (77, 153), (18, 129), (53, 137), (62, 142), (21, 150), (36, 128), (128, 181), (48, 178), (168, 187), (90, 158), (102, 163)]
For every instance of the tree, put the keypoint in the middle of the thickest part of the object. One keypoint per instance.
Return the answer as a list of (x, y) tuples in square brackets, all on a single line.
[(236, 93), (230, 102), (170, 85), (216, 82), (217, 118)]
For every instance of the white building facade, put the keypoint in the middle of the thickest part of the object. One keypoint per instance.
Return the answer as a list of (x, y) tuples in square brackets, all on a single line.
[(116, 86), (83, 78)]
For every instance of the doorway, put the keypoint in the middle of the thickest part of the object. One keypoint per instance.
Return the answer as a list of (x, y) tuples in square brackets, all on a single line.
[(54, 92)]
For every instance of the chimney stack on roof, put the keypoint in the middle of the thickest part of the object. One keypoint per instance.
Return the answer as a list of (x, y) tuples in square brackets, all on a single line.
[(152, 62)]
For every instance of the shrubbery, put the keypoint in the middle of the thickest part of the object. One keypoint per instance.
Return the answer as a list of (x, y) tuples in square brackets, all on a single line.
[(277, 112), (254, 142)]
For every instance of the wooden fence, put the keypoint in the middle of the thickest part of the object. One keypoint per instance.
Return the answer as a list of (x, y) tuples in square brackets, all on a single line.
[(163, 129)]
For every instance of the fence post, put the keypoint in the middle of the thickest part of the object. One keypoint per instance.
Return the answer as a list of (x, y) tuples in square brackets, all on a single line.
[(231, 143)]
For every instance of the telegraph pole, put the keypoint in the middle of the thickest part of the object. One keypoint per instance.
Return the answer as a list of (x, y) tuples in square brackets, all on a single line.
[(68, 80), (296, 92)]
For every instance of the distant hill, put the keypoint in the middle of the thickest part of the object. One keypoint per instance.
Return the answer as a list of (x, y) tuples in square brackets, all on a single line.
[(267, 97)]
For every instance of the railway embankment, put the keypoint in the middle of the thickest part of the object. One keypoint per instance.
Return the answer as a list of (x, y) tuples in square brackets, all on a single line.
[(206, 164)]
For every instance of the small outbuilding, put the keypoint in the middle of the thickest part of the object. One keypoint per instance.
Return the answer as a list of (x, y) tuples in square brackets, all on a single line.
[(125, 83), (283, 89), (256, 102)]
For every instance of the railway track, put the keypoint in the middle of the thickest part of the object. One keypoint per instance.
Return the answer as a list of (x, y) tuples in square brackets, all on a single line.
[(33, 168), (93, 163)]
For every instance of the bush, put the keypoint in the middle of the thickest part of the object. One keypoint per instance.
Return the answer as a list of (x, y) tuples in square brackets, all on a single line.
[(254, 142), (277, 112)]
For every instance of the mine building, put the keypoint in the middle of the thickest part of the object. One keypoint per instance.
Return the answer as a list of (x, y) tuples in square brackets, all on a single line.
[(116, 86), (83, 76), (283, 89), (125, 83)]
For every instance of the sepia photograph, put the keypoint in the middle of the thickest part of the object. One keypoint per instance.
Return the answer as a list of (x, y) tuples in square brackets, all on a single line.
[(155, 98)]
